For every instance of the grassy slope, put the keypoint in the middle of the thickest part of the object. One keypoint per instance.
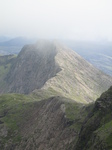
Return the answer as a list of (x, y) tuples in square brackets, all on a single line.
[(98, 128), (12, 108), (75, 114), (16, 110)]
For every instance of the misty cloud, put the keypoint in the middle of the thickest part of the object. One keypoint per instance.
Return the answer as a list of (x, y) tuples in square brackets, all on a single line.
[(72, 19)]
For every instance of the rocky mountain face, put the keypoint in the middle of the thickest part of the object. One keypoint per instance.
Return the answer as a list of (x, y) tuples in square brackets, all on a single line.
[(96, 132), (52, 124), (34, 65), (51, 69)]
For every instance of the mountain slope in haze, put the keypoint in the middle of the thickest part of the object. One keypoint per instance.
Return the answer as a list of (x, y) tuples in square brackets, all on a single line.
[(96, 132), (5, 64), (14, 46), (4, 38), (34, 65), (101, 61), (97, 53), (53, 70), (18, 41)]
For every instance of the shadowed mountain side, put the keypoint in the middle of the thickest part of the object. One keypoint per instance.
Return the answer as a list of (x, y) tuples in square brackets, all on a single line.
[(34, 65), (96, 132)]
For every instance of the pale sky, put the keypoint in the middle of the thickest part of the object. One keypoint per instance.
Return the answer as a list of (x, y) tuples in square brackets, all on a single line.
[(71, 19)]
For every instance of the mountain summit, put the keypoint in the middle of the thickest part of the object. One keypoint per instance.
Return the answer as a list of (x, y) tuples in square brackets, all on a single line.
[(34, 65), (51, 69)]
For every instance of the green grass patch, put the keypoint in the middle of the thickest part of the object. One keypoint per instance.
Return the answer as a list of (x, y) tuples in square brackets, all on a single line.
[(109, 141), (13, 110), (76, 113), (105, 134)]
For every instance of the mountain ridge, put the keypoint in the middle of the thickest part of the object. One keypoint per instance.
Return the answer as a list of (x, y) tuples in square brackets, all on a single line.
[(32, 68), (50, 66), (70, 61)]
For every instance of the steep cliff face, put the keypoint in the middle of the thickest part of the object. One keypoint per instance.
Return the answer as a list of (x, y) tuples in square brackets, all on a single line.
[(96, 132)]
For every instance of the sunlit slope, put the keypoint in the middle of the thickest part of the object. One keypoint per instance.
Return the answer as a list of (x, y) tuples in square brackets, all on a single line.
[(77, 79)]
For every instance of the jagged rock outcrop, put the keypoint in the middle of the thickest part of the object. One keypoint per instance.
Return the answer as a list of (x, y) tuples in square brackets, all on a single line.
[(96, 132)]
